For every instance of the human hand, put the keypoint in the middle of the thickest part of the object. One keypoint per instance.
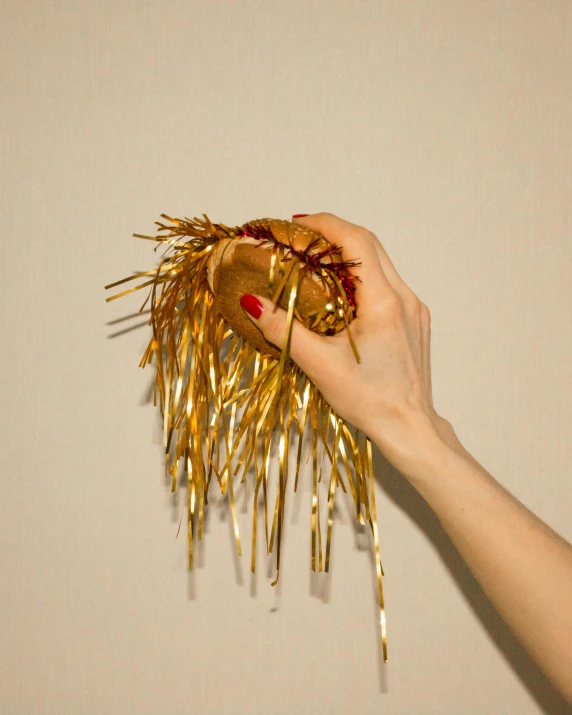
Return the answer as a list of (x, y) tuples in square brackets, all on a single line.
[(388, 393), (388, 396)]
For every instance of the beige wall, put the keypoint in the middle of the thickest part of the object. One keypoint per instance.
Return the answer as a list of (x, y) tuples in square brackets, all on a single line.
[(446, 127)]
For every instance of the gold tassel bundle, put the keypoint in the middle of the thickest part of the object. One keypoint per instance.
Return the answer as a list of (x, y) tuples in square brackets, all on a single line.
[(227, 396)]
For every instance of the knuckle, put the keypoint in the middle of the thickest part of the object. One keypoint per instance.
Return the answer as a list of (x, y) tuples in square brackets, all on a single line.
[(425, 314), (411, 302), (365, 234), (416, 308), (413, 308)]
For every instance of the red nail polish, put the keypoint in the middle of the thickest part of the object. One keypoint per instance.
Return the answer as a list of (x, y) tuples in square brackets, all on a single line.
[(252, 305), (299, 215)]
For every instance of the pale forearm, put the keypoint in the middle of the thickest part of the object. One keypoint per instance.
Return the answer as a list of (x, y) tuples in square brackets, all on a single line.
[(523, 566)]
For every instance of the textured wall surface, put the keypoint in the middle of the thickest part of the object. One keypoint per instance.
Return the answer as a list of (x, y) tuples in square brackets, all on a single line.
[(446, 128)]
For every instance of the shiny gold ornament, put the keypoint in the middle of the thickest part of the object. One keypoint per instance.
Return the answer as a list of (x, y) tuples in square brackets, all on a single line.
[(219, 383)]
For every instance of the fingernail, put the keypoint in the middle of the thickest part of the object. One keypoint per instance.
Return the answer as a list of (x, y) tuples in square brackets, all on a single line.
[(299, 215), (252, 305)]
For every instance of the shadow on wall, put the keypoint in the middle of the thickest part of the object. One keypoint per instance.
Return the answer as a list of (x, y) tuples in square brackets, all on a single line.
[(408, 499)]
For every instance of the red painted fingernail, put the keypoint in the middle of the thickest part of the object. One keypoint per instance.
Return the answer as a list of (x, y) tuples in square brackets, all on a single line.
[(299, 215), (252, 305)]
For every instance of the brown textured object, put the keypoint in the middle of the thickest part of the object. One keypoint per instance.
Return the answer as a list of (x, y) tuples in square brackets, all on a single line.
[(242, 265), (243, 268)]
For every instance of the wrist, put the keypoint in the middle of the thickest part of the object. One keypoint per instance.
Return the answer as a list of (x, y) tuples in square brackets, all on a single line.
[(419, 444)]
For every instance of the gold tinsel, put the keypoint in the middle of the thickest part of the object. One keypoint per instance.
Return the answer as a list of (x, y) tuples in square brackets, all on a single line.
[(216, 390)]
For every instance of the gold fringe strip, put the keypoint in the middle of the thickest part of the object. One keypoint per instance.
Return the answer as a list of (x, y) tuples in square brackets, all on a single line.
[(225, 406)]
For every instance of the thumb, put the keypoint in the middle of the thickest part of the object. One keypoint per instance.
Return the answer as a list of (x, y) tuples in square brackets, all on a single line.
[(307, 348)]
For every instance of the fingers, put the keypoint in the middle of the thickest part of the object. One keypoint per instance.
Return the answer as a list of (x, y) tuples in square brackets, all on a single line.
[(307, 349), (343, 233), (357, 243)]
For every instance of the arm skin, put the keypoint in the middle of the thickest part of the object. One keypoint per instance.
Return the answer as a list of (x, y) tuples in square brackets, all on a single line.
[(523, 566)]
